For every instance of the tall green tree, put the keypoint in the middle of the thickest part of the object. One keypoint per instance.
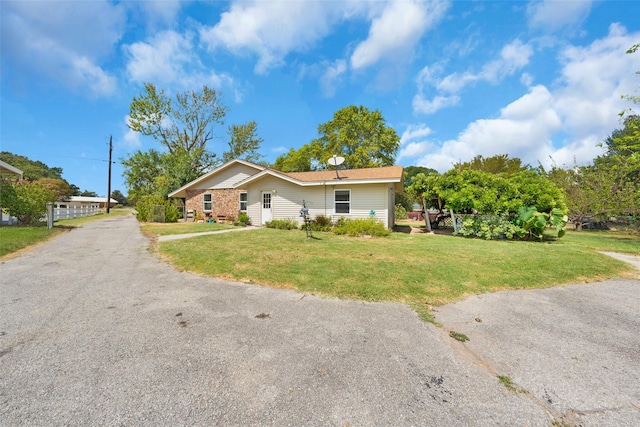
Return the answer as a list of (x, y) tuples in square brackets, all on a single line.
[(411, 171), (183, 127), (31, 169), (356, 133), (244, 143), (500, 163), (184, 124)]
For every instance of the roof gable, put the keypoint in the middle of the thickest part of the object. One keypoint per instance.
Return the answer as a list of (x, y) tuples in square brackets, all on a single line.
[(245, 169)]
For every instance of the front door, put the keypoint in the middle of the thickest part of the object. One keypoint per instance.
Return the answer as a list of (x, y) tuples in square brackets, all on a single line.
[(266, 207)]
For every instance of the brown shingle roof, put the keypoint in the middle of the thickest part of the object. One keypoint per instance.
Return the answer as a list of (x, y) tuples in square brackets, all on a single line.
[(385, 172)]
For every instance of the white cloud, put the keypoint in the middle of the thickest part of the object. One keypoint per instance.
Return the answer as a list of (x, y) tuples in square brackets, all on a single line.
[(559, 125), (553, 15), (131, 139), (396, 31), (513, 57), (413, 141), (63, 41), (169, 58), (272, 29), (332, 76)]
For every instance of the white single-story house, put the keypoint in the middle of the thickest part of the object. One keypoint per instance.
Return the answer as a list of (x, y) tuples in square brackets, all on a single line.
[(86, 201), (266, 194)]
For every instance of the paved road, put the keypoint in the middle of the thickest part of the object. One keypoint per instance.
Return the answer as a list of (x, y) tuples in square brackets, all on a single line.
[(94, 330)]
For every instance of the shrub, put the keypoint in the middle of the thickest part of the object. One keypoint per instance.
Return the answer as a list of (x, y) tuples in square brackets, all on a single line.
[(361, 227), (242, 220), (320, 223), (26, 200), (282, 224), (146, 205), (490, 228), (400, 212)]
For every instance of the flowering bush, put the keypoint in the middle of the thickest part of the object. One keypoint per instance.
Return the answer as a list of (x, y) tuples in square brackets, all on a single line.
[(26, 200)]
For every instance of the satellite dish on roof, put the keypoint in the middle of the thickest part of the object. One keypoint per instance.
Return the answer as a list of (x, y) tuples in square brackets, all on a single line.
[(335, 160)]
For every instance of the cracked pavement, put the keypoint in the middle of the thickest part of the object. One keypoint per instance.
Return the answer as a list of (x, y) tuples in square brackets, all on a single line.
[(95, 330)]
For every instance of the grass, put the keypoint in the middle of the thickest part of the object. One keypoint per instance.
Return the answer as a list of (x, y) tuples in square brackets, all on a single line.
[(15, 238), (421, 270), (603, 241), (510, 385), (159, 229)]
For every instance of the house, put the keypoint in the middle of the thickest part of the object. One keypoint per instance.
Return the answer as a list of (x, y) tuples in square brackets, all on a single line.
[(266, 194), (86, 201), (214, 194)]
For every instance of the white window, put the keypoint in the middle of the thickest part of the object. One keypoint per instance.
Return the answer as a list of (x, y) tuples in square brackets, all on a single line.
[(243, 202), (342, 201), (206, 204)]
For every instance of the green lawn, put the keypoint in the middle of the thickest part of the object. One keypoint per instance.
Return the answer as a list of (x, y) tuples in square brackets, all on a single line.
[(420, 270), (159, 229)]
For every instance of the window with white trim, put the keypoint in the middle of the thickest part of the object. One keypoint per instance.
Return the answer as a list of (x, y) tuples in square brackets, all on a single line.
[(342, 200), (206, 202), (243, 202)]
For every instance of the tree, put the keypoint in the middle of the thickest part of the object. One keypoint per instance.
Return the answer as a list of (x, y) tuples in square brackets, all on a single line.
[(295, 160), (185, 124), (500, 163), (60, 187), (359, 135), (587, 191), (87, 193), (117, 195), (26, 200), (183, 128), (411, 171), (31, 169), (244, 143)]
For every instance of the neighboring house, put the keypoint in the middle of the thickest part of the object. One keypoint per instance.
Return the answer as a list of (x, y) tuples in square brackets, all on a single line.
[(86, 201), (7, 169), (214, 194), (267, 194)]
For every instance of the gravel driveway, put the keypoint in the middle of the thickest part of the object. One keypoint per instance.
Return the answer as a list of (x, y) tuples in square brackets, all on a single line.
[(94, 330)]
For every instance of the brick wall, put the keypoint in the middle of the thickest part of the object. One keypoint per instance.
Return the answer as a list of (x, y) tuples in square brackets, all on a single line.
[(225, 202)]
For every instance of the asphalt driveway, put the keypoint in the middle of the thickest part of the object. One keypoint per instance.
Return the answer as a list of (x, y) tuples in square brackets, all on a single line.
[(94, 330)]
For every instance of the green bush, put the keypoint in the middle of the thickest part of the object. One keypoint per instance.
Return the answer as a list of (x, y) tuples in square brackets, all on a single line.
[(320, 223), (282, 224), (361, 227), (145, 209), (490, 228), (529, 223), (26, 200), (400, 212), (242, 220)]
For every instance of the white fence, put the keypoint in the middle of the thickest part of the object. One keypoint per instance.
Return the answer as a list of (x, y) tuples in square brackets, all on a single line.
[(67, 210)]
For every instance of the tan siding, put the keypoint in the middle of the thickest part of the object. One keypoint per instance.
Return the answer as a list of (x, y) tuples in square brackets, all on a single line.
[(287, 200), (228, 178)]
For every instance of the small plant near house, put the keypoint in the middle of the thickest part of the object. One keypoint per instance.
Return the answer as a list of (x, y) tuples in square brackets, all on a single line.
[(282, 224), (361, 227), (242, 220), (400, 212), (321, 223)]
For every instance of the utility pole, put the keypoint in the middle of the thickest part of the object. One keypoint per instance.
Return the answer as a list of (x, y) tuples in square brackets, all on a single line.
[(109, 184)]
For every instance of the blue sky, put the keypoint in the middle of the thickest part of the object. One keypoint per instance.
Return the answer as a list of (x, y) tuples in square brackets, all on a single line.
[(539, 80)]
